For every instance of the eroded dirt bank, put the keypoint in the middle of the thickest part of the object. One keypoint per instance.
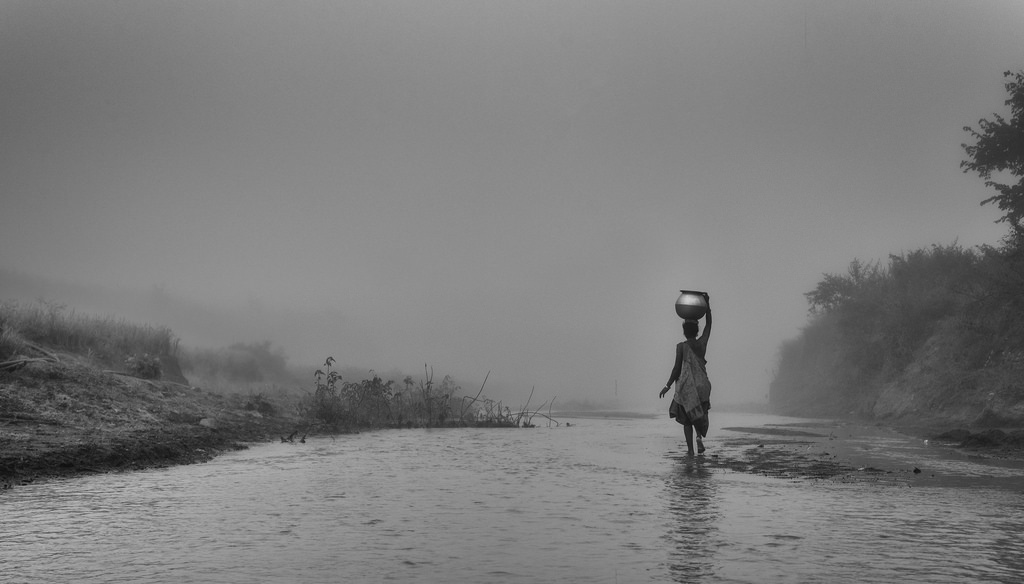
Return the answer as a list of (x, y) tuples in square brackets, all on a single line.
[(64, 419)]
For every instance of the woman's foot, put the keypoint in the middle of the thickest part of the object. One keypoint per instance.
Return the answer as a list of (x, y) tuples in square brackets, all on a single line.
[(700, 446)]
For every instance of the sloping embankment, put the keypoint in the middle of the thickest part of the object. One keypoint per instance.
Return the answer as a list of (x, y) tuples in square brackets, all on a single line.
[(67, 418)]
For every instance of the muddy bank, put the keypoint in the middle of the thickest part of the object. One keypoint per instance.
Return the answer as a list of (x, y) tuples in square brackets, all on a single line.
[(66, 419), (839, 451), (135, 451), (994, 440), (60, 451)]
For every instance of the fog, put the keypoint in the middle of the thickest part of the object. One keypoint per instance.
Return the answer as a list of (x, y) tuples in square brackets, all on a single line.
[(518, 188)]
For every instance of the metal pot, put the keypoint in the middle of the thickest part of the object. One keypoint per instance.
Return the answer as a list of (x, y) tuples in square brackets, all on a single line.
[(691, 305)]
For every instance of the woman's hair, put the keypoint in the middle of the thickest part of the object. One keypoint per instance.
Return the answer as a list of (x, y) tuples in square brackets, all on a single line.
[(690, 329)]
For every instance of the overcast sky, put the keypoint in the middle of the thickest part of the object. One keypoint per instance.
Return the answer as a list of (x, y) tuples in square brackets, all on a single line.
[(515, 187)]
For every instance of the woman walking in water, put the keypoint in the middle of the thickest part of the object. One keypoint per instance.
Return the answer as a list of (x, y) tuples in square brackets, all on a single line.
[(692, 398)]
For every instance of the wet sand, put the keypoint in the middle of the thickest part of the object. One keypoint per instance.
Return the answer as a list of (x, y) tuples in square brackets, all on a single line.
[(841, 451)]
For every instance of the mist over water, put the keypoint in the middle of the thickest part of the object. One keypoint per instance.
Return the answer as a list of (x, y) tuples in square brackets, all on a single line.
[(603, 500), (515, 188), (502, 190)]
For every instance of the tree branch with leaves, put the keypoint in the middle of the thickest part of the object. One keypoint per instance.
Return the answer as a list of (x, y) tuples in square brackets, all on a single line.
[(999, 148)]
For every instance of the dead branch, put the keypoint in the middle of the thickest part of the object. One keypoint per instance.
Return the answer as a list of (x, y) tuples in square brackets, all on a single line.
[(523, 411), (15, 364), (549, 418), (142, 379), (39, 349), (466, 406)]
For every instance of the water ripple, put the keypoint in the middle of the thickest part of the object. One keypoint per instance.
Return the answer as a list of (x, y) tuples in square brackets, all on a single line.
[(603, 501)]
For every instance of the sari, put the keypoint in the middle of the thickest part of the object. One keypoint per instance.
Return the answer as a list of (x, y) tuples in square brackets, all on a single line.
[(693, 392)]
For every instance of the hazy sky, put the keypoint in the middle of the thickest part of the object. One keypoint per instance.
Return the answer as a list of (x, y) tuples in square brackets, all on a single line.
[(520, 187)]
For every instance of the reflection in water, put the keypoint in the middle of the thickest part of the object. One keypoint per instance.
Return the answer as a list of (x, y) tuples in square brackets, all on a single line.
[(693, 509), (1006, 549)]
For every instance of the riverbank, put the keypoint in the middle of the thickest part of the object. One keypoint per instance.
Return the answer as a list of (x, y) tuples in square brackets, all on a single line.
[(67, 418)]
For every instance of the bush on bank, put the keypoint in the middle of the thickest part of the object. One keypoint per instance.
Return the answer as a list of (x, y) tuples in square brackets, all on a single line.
[(935, 333)]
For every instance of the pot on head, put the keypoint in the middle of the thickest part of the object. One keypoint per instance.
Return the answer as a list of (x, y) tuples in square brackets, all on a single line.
[(691, 305)]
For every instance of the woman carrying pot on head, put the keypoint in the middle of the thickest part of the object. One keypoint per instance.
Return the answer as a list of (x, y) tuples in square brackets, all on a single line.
[(692, 398)]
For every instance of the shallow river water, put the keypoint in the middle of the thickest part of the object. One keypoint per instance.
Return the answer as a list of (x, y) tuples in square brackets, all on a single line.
[(602, 500)]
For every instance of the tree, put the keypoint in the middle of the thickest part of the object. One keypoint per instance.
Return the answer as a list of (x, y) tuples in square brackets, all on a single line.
[(836, 291), (999, 148)]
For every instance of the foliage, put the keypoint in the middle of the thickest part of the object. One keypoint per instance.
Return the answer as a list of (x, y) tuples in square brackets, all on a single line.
[(836, 291), (338, 404), (935, 329), (258, 402), (370, 401), (869, 324), (376, 403), (326, 405), (999, 148), (145, 366), (997, 315), (885, 313), (11, 342)]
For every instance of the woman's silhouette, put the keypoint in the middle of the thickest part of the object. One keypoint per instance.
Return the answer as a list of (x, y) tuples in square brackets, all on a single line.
[(692, 399)]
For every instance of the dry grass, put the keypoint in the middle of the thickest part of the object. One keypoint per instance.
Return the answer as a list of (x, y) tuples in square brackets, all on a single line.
[(51, 325)]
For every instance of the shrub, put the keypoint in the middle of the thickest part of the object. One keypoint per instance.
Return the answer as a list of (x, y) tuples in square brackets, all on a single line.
[(258, 403), (874, 325), (375, 402), (145, 366), (325, 405)]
